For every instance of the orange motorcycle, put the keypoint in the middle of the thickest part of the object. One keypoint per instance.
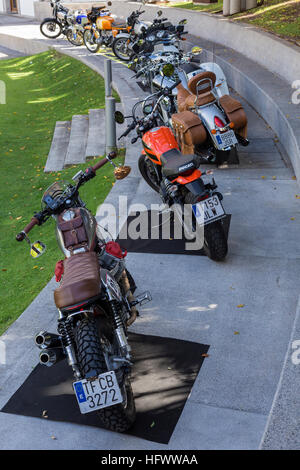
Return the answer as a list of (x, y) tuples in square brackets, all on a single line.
[(101, 29), (177, 177)]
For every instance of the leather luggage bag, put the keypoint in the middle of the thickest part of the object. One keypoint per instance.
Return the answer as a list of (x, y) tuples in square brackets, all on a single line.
[(73, 231), (189, 131), (235, 112)]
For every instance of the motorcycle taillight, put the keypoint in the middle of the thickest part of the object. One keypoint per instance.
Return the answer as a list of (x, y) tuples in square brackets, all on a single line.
[(202, 198), (218, 122)]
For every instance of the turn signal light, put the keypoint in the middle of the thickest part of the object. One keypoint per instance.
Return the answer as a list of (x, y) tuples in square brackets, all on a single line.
[(213, 131), (231, 125)]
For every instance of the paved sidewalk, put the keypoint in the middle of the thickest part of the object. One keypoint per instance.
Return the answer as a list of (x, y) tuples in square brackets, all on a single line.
[(6, 53), (195, 299)]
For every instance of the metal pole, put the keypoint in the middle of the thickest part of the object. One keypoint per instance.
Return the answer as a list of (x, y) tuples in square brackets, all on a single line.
[(110, 108), (107, 76)]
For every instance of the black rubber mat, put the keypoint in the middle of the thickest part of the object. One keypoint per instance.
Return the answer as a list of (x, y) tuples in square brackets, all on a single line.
[(163, 374), (156, 240)]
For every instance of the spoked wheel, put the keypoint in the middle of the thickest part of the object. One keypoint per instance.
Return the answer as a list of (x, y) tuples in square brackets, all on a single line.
[(51, 28), (215, 243), (89, 41), (92, 362), (120, 49), (148, 173), (75, 38)]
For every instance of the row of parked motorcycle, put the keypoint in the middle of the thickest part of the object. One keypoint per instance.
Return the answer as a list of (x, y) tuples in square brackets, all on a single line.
[(188, 119)]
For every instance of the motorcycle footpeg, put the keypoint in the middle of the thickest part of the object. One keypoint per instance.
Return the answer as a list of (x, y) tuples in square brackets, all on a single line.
[(141, 299)]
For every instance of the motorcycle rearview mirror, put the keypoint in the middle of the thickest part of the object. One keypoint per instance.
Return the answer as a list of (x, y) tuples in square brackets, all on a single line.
[(168, 70), (109, 4), (183, 21), (37, 249), (159, 13), (119, 117), (197, 50), (121, 172), (147, 109)]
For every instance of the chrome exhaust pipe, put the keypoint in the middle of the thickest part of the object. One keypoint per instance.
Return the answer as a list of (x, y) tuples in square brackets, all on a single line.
[(45, 340), (49, 357)]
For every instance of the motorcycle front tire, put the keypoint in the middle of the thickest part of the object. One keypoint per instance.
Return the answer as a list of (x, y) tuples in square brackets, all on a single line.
[(53, 23), (79, 38), (145, 173), (118, 418), (91, 46), (115, 47)]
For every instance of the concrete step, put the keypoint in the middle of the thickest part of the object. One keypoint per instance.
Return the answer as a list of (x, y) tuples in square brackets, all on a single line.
[(59, 146), (78, 140), (96, 134)]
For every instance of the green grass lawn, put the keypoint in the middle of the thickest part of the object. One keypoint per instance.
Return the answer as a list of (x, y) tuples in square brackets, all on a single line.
[(281, 17), (210, 7), (276, 16), (40, 90)]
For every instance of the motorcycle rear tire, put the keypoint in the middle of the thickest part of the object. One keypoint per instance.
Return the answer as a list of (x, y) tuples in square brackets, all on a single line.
[(215, 241), (145, 173), (54, 22), (118, 418), (92, 47)]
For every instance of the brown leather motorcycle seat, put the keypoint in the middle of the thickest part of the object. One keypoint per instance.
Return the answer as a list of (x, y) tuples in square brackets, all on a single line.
[(209, 80), (186, 99), (81, 280)]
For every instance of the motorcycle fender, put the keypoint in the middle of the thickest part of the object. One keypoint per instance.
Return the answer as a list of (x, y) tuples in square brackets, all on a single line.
[(123, 35), (51, 19), (196, 187), (111, 285)]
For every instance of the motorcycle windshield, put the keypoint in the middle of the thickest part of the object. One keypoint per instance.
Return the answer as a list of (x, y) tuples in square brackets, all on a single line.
[(54, 192)]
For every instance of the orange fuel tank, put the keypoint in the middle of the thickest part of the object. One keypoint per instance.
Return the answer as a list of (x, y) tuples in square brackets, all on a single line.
[(158, 141)]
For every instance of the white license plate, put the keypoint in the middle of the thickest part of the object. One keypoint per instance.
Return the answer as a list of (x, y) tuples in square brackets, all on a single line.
[(227, 139), (208, 210), (97, 393)]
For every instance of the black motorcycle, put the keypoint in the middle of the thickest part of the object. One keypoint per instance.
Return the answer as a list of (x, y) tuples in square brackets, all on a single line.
[(95, 304)]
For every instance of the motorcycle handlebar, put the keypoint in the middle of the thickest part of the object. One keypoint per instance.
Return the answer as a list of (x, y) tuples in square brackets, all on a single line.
[(20, 237), (129, 129), (35, 220), (98, 165)]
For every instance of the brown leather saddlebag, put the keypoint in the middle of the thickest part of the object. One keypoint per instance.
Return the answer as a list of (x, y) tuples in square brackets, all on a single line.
[(235, 112), (73, 231), (189, 131)]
